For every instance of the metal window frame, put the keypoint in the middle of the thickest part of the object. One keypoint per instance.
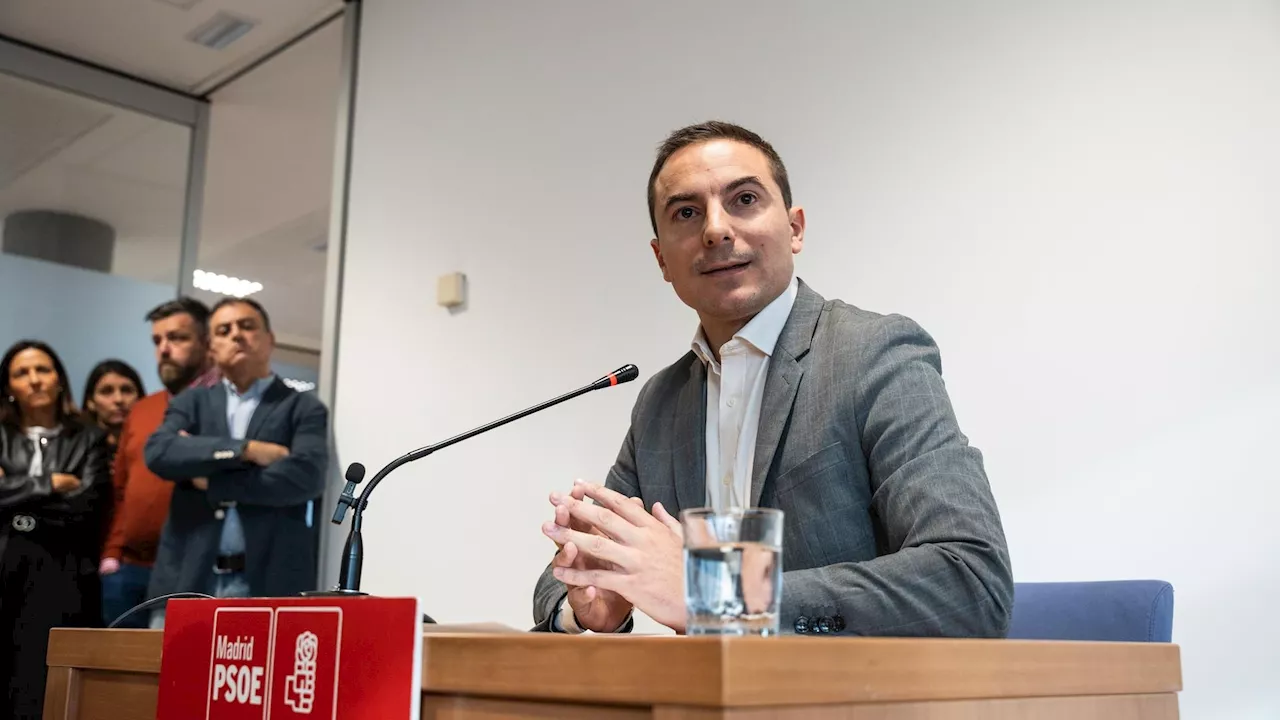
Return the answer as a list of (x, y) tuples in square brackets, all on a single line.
[(332, 536), (115, 88), (193, 213)]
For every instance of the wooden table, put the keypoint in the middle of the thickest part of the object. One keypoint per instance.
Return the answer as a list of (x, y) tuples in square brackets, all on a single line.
[(113, 674)]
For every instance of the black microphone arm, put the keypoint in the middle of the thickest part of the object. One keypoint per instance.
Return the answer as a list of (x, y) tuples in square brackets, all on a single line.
[(353, 552)]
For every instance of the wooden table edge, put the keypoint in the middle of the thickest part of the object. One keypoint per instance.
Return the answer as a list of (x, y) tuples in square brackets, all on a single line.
[(726, 673)]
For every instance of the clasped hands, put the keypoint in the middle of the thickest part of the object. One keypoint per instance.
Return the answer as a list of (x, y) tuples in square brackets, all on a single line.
[(614, 556)]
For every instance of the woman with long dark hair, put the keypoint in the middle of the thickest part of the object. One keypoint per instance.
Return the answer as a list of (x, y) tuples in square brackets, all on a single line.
[(55, 499), (109, 394)]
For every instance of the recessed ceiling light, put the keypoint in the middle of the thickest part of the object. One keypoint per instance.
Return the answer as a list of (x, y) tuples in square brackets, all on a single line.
[(181, 4), (221, 30), (223, 285)]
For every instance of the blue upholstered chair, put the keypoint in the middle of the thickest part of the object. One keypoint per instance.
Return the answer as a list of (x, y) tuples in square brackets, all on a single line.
[(1122, 611)]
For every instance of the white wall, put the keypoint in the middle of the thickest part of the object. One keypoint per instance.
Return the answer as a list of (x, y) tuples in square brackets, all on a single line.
[(1078, 199)]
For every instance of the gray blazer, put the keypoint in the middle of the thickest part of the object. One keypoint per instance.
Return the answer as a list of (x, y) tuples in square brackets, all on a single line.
[(280, 546), (890, 526)]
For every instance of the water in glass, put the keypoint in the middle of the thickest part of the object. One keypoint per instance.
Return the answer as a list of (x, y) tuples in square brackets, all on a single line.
[(733, 571)]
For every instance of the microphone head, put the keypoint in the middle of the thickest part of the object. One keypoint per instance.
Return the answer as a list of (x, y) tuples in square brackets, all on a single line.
[(626, 373), (355, 473)]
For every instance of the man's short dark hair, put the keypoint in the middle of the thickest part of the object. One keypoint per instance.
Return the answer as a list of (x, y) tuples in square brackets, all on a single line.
[(706, 132), (196, 309), (257, 306)]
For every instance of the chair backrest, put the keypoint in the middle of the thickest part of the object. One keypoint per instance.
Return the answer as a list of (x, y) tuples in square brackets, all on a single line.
[(1121, 610)]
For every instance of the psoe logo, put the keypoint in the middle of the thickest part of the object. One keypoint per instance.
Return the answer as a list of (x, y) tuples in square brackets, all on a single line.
[(304, 665), (238, 684), (237, 678), (300, 686)]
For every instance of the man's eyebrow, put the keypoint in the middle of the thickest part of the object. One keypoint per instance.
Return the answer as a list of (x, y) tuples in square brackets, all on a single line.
[(679, 198), (685, 197), (748, 180)]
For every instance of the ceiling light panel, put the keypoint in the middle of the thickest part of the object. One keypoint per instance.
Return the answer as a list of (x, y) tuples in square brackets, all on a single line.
[(224, 285)]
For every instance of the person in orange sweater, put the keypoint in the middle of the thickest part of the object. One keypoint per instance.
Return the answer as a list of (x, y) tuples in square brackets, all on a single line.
[(180, 333)]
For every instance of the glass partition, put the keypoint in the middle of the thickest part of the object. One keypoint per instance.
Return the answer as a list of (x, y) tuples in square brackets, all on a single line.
[(92, 204)]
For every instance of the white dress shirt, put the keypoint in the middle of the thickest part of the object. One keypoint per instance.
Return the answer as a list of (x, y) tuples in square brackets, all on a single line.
[(735, 391), (240, 410)]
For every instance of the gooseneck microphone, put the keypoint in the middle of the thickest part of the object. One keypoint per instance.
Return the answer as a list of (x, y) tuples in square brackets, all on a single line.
[(353, 551)]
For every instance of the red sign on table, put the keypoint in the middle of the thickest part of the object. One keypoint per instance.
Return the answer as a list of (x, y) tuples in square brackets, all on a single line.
[(273, 658)]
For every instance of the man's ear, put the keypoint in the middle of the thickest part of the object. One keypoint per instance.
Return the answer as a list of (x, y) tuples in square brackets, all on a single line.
[(657, 254), (796, 216)]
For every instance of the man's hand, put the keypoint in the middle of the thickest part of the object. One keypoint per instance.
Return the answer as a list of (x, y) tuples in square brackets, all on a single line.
[(200, 483), (108, 566), (593, 609), (264, 453), (64, 483), (636, 555)]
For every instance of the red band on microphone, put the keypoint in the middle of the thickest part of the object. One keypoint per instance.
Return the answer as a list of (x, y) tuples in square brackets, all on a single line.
[(613, 379)]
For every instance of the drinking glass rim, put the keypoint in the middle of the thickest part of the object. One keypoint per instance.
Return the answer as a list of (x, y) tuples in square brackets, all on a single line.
[(701, 512)]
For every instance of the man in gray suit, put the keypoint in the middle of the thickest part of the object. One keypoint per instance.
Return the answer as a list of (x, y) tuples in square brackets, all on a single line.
[(835, 415)]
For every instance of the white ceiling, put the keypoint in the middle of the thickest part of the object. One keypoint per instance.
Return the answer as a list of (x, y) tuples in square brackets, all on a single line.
[(147, 38), (268, 178)]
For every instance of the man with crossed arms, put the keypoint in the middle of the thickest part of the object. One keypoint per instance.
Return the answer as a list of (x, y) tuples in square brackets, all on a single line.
[(835, 415)]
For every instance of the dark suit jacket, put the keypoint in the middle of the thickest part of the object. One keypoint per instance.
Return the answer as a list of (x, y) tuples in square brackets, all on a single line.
[(280, 550), (889, 525)]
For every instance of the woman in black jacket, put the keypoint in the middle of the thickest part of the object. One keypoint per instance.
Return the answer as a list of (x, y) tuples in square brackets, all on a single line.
[(55, 501)]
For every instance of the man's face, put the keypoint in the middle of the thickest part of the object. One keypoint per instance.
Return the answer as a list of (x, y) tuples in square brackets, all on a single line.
[(181, 350), (725, 239), (240, 340)]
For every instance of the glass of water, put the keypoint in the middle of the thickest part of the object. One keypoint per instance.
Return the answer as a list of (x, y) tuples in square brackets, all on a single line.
[(732, 570)]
